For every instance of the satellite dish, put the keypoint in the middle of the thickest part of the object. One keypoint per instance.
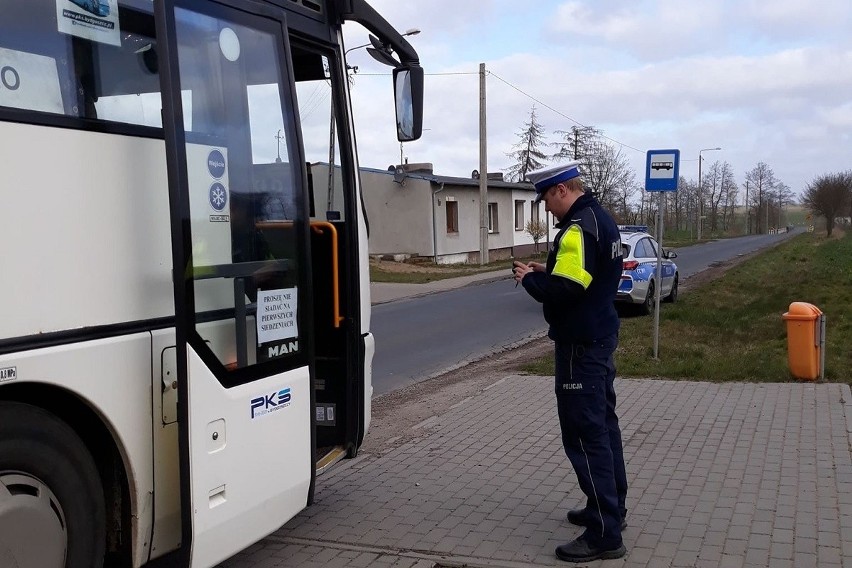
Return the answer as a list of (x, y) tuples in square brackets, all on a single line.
[(399, 175), (474, 174), (383, 56)]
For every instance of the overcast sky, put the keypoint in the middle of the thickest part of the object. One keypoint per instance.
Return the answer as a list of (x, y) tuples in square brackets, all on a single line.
[(765, 80)]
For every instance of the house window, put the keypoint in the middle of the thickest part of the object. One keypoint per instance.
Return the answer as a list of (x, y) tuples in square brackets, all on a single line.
[(519, 215), (534, 211), (492, 218), (452, 217)]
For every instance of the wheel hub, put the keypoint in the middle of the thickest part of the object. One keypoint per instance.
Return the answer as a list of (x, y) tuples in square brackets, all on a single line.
[(33, 533)]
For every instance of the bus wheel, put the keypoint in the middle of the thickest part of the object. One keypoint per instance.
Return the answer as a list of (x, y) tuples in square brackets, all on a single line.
[(52, 511)]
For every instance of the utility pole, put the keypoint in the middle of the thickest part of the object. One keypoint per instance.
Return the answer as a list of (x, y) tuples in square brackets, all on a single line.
[(766, 213), (748, 212), (330, 204), (576, 143), (700, 220), (279, 138), (483, 172)]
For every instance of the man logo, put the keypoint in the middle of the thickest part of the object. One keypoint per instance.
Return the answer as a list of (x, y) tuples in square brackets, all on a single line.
[(283, 349), (263, 405)]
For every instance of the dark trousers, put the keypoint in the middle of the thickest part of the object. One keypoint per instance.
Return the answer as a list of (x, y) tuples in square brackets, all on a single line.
[(585, 399)]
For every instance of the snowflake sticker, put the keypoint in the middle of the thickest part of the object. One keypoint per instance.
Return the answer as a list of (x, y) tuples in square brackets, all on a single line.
[(218, 196)]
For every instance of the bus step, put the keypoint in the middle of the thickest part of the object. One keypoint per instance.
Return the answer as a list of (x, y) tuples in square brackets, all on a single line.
[(329, 457)]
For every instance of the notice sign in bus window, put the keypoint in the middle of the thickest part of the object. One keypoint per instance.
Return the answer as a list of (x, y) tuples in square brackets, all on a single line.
[(95, 20), (29, 82), (277, 312)]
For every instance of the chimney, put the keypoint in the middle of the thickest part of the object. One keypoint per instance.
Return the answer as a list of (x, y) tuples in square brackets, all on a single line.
[(418, 168)]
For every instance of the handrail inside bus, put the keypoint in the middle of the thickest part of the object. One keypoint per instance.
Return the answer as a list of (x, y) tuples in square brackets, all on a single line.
[(318, 227)]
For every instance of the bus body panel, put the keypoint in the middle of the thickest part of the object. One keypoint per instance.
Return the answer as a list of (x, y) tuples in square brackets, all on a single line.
[(87, 219), (92, 229), (167, 503), (369, 351), (244, 440), (112, 376)]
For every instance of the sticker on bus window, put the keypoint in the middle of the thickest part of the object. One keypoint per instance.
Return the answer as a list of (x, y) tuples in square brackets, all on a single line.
[(29, 82), (95, 20), (277, 312)]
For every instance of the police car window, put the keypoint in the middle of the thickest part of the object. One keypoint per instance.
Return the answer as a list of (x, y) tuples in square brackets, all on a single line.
[(652, 247), (642, 249), (81, 58)]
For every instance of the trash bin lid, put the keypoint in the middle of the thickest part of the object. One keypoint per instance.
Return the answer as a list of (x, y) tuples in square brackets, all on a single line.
[(802, 311)]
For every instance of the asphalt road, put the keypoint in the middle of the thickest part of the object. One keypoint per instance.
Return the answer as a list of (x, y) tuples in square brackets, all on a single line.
[(693, 259), (421, 337)]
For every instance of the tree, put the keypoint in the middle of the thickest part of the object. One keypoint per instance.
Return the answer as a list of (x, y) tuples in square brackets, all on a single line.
[(526, 152), (607, 174), (537, 229), (829, 196), (722, 193), (762, 180), (606, 171), (781, 197), (575, 143)]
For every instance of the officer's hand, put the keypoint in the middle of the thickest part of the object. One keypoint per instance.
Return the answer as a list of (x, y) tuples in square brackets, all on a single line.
[(520, 270), (536, 266)]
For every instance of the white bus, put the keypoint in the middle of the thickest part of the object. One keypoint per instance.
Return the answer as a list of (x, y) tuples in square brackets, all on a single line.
[(184, 288)]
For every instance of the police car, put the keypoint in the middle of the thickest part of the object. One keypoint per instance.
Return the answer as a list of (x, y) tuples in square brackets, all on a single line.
[(638, 277)]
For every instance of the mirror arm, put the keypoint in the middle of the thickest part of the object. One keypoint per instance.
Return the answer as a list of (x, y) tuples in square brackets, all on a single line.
[(361, 12)]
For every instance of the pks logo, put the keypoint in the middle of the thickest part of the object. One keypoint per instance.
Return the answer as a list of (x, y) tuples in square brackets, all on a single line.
[(263, 405)]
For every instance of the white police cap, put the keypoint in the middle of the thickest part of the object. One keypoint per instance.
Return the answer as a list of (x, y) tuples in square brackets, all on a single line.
[(546, 178)]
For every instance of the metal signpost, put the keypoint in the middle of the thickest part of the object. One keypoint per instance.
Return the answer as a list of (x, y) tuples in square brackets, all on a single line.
[(662, 170)]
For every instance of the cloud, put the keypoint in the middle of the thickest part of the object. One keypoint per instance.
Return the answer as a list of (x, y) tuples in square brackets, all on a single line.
[(765, 81)]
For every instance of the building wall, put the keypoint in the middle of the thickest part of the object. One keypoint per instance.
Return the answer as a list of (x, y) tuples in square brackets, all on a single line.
[(400, 214), (524, 243), (401, 219), (467, 238)]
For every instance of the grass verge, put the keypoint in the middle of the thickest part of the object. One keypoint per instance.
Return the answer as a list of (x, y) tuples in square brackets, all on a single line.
[(730, 328), (417, 273)]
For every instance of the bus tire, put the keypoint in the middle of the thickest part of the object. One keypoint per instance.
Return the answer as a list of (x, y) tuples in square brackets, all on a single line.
[(51, 497)]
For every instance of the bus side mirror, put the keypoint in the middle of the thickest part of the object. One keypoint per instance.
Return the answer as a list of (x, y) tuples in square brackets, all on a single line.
[(408, 96)]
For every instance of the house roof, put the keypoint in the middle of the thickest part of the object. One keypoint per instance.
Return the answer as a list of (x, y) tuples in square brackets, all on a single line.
[(452, 180)]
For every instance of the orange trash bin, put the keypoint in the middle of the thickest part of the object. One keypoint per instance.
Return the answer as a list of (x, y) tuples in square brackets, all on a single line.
[(805, 340)]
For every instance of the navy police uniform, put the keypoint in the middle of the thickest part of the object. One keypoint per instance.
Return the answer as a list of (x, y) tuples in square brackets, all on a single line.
[(577, 291)]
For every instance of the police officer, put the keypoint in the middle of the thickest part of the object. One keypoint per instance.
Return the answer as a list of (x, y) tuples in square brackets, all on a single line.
[(577, 287)]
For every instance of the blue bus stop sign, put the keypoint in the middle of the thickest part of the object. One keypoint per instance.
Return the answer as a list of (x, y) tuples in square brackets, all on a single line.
[(662, 170)]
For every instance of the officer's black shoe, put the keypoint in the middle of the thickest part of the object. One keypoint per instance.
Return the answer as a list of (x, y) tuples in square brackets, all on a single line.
[(580, 550), (580, 517)]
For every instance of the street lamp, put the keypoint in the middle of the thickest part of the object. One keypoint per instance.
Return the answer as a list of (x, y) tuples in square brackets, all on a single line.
[(700, 196), (376, 44)]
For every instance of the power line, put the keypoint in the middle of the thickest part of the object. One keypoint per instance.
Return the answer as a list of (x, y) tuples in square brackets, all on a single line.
[(563, 115), (427, 74), (547, 106)]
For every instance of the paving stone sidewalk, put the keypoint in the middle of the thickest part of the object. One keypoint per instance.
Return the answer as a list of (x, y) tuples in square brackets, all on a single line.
[(721, 475)]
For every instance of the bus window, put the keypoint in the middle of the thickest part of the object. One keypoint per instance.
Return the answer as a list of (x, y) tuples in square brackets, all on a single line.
[(320, 133), (246, 212), (47, 69)]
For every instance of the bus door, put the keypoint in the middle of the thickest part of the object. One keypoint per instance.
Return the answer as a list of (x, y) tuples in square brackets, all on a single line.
[(242, 293)]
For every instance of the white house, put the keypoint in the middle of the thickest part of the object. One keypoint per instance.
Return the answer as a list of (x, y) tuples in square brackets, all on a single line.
[(412, 211)]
